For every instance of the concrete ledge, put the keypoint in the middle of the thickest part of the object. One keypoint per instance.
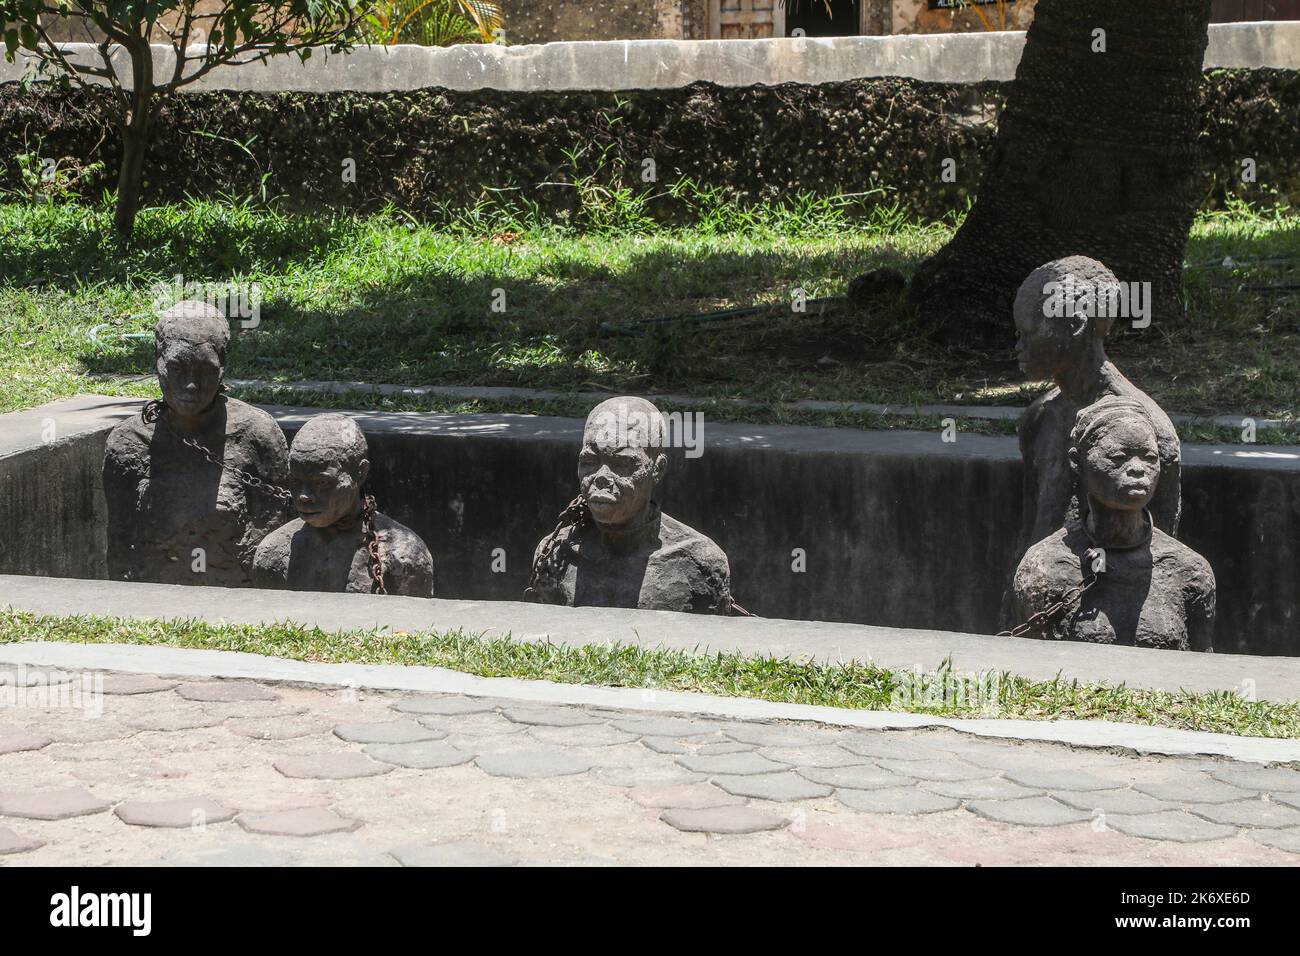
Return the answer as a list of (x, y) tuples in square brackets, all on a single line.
[(896, 648), (226, 664), (901, 529), (502, 393), (661, 64)]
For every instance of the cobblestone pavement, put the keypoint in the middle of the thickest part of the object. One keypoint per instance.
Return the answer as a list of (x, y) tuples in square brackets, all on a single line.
[(189, 772)]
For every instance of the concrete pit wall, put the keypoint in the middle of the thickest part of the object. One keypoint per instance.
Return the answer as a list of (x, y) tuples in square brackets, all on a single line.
[(896, 528)]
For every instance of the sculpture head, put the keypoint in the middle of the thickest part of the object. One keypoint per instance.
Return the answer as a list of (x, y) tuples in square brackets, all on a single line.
[(1062, 315), (622, 460), (190, 342), (1113, 450), (327, 469)]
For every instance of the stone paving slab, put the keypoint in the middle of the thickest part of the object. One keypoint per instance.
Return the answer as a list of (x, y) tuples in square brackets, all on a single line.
[(177, 812), (50, 804), (720, 820), (11, 842), (1028, 811), (158, 777), (784, 786), (489, 693), (387, 732)]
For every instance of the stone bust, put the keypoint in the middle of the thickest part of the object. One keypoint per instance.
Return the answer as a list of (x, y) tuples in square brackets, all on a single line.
[(1151, 590), (326, 548), (616, 547), (1069, 349), (180, 507)]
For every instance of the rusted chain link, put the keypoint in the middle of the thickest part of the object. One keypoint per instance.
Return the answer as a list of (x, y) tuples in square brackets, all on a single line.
[(155, 411), (574, 516), (1095, 562), (371, 536)]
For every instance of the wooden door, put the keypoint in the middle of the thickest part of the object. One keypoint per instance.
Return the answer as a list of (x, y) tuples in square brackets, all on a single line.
[(746, 19)]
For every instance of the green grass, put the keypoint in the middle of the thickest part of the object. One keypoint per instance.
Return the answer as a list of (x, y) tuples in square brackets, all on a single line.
[(384, 299), (849, 685)]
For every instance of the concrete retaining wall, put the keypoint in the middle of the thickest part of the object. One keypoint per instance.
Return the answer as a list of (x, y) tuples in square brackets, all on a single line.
[(662, 64), (898, 528)]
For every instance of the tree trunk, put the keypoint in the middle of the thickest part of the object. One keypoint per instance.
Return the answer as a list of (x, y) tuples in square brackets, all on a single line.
[(1095, 155), (135, 140), (129, 179)]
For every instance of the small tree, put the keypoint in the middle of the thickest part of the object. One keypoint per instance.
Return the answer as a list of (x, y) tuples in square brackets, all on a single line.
[(202, 34)]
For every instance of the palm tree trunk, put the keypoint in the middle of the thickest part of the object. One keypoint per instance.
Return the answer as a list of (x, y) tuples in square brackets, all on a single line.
[(1095, 155)]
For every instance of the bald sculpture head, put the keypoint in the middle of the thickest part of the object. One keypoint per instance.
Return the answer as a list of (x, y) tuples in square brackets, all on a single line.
[(328, 466), (1062, 312), (190, 341), (621, 461)]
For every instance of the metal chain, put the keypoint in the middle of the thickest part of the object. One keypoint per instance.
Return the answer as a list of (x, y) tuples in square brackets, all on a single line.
[(1077, 591), (735, 610), (154, 411), (371, 536), (573, 516)]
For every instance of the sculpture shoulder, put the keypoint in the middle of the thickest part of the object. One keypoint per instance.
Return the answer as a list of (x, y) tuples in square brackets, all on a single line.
[(1194, 572), (403, 543), (272, 555), (1046, 563), (680, 538), (406, 557), (253, 423), (128, 439)]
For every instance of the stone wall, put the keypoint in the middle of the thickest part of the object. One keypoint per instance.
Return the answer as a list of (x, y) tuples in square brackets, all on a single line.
[(760, 144)]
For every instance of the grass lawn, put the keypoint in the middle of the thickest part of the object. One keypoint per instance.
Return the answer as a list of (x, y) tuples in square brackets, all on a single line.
[(384, 299), (849, 685)]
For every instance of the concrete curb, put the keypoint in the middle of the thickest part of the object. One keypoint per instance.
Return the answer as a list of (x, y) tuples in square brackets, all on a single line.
[(900, 649), (229, 664), (667, 64)]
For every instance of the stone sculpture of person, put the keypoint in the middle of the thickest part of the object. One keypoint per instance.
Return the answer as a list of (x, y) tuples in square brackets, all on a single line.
[(329, 546), (193, 484), (1061, 337), (1122, 579), (614, 546)]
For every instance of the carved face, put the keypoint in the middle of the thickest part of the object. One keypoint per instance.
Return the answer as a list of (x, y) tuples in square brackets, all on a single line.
[(1121, 467), (1043, 345), (617, 481), (324, 492), (190, 377)]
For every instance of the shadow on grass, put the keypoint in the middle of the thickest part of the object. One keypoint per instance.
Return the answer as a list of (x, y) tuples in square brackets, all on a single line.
[(440, 323)]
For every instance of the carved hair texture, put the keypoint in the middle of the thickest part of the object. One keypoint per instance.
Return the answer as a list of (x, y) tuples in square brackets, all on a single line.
[(1093, 422), (1076, 277), (192, 323)]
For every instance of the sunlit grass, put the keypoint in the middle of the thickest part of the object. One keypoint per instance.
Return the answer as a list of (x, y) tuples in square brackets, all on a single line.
[(855, 685), (491, 297)]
